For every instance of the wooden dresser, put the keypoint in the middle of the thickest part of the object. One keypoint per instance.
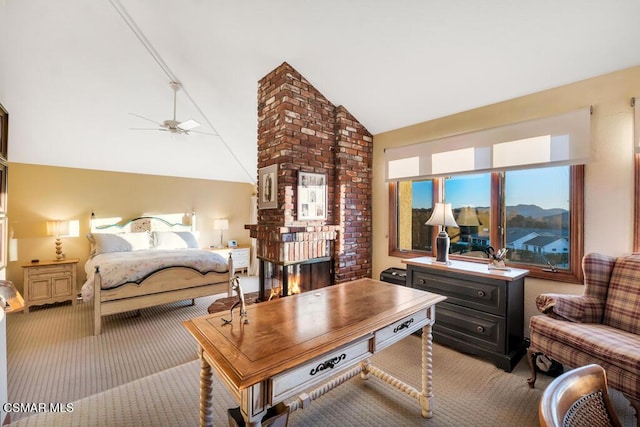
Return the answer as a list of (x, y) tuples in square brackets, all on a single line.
[(46, 282), (483, 313)]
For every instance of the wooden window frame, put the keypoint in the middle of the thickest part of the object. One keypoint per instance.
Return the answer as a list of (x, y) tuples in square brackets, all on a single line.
[(576, 226), (636, 203)]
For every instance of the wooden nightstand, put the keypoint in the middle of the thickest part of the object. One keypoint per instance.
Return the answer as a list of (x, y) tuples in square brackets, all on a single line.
[(241, 256), (46, 282)]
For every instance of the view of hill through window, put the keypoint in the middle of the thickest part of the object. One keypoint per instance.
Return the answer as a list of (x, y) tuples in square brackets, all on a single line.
[(535, 211)]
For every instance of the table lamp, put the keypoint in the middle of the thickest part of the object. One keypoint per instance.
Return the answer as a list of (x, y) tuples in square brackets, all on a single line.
[(443, 217), (221, 224), (58, 228)]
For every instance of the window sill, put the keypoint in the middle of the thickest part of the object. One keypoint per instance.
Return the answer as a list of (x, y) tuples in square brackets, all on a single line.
[(534, 270)]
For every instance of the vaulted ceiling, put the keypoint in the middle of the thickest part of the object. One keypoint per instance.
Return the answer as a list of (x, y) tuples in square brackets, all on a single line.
[(76, 75)]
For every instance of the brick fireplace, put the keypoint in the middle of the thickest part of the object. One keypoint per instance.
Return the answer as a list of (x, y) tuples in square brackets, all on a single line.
[(299, 130)]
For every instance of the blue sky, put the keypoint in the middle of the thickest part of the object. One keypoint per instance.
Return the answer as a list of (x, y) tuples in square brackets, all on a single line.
[(547, 188)]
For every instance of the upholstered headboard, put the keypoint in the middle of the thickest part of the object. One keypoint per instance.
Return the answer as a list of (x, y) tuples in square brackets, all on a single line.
[(142, 233), (143, 223)]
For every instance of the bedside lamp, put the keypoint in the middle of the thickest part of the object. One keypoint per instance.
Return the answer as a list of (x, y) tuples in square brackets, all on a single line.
[(443, 217), (221, 224), (57, 229)]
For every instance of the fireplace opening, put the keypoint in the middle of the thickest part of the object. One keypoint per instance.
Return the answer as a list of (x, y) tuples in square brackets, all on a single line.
[(279, 280)]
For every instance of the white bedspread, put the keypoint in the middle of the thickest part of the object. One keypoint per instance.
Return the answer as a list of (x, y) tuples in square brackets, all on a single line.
[(121, 267)]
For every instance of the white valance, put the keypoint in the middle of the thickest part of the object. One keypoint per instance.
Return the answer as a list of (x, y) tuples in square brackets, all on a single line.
[(550, 141)]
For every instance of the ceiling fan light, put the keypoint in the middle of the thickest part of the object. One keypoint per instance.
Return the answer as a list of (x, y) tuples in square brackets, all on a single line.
[(188, 125)]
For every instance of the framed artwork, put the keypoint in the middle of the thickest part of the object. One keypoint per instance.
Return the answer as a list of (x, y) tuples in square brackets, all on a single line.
[(4, 132), (268, 187), (312, 196), (3, 188)]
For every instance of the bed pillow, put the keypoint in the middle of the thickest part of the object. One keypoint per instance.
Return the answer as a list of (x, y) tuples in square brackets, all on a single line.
[(103, 243), (175, 240)]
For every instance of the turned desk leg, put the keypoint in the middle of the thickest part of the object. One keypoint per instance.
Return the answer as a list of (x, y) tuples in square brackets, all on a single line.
[(206, 395), (426, 396)]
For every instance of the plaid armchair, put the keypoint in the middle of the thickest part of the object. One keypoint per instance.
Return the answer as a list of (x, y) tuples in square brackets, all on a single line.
[(600, 326)]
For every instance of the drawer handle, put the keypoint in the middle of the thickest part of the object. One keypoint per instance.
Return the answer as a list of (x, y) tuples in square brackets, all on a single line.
[(328, 364), (403, 325), (422, 281), (480, 329), (481, 294)]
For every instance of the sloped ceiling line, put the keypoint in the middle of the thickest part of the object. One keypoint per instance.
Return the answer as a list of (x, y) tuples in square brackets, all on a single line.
[(120, 9)]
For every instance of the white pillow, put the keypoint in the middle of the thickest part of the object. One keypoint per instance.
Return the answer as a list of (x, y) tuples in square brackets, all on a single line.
[(175, 240), (104, 243)]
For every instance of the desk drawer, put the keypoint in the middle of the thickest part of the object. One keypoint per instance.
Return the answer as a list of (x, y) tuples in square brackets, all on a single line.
[(484, 295), (302, 378), (402, 328), (471, 327)]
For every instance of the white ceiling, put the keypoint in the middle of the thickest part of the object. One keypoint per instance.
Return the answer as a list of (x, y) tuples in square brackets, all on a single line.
[(72, 71)]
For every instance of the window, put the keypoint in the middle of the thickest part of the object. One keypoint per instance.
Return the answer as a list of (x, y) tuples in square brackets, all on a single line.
[(537, 214), (414, 206), (470, 198), (537, 217)]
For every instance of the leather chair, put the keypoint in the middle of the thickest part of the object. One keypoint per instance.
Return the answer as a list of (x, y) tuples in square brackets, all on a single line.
[(578, 398)]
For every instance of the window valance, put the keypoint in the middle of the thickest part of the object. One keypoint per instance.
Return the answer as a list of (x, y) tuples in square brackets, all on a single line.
[(549, 141)]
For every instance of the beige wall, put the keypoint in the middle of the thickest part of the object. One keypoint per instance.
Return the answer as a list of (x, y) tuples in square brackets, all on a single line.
[(41, 193), (608, 176)]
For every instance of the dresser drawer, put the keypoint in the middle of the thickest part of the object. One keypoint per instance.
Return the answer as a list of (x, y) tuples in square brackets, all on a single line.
[(471, 327), (488, 296), (241, 258), (402, 328), (50, 270), (318, 370)]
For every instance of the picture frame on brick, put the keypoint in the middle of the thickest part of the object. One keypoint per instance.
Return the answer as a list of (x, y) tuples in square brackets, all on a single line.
[(268, 187), (312, 196)]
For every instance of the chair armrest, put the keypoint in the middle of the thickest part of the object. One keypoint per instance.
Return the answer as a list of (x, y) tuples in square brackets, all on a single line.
[(574, 308)]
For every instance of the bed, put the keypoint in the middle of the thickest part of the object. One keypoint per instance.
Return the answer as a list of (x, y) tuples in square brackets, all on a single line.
[(148, 261)]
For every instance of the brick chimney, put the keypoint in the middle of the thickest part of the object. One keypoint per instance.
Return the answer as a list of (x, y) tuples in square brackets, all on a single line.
[(299, 130)]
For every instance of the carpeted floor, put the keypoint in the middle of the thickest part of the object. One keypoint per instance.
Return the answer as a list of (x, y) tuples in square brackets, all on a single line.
[(143, 371)]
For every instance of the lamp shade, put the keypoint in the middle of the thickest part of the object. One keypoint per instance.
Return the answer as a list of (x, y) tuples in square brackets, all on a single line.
[(57, 228), (468, 217), (442, 215), (220, 224)]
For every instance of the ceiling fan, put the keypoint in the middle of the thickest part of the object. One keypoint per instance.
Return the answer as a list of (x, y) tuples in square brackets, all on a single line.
[(173, 125)]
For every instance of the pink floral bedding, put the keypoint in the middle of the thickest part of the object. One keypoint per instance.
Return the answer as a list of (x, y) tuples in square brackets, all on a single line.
[(118, 268)]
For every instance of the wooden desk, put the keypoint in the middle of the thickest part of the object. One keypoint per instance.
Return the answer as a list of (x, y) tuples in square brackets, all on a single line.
[(295, 343)]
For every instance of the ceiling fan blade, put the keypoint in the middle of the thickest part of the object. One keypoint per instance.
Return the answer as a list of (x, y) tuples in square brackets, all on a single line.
[(145, 129), (204, 133), (145, 118), (188, 124)]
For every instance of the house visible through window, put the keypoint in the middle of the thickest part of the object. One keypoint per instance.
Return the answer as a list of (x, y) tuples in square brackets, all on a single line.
[(537, 216), (470, 198)]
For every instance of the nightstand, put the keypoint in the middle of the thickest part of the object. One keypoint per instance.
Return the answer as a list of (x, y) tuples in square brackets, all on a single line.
[(46, 282), (241, 256)]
